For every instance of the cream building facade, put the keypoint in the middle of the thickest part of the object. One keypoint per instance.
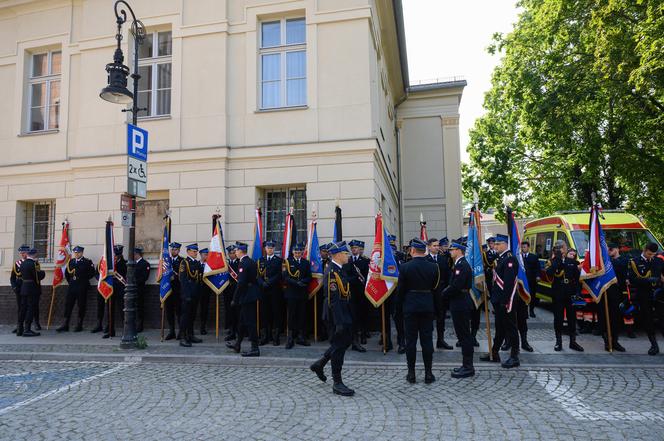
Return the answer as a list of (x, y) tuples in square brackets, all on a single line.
[(267, 103)]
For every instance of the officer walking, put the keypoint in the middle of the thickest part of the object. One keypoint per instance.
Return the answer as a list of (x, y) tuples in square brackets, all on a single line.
[(614, 296), (338, 317), (79, 272), (15, 280), (461, 305), (297, 274), (272, 306), (246, 295), (504, 279), (441, 304), (173, 301), (141, 274), (191, 273), (31, 275), (643, 276), (205, 294), (231, 311), (418, 280), (357, 277)]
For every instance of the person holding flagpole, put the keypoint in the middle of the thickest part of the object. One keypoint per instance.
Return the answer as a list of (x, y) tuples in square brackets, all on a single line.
[(204, 296), (172, 304), (80, 270), (191, 274), (297, 274), (337, 314), (246, 295), (231, 310), (16, 281), (272, 307)]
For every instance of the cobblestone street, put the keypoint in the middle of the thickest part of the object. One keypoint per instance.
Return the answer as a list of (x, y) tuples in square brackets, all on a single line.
[(161, 401)]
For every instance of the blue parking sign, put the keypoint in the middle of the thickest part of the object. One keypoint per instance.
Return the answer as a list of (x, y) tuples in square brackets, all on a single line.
[(137, 142)]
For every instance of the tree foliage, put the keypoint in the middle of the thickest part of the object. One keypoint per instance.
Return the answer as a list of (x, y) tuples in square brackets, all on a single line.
[(576, 107)]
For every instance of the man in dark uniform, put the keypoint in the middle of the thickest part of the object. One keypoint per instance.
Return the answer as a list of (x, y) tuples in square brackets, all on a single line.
[(246, 295), (614, 296), (119, 281), (322, 328), (173, 301), (231, 311), (78, 273), (191, 274), (393, 306), (418, 281), (338, 317), (297, 274), (272, 306), (461, 305), (520, 306), (205, 295), (532, 267), (31, 276), (440, 304), (141, 275), (643, 276), (357, 278), (504, 280), (15, 280)]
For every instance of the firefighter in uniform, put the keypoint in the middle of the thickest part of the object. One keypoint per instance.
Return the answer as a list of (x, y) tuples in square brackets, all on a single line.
[(191, 275), (393, 306), (141, 275), (418, 281), (272, 306), (78, 273), (173, 302), (504, 279), (357, 270), (322, 328), (119, 282), (247, 293), (532, 267), (338, 317), (520, 305), (15, 280), (441, 304), (231, 311), (644, 277), (31, 276), (297, 275), (614, 296), (205, 295), (461, 306)]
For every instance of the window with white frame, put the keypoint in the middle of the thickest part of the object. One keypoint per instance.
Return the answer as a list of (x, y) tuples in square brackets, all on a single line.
[(283, 63), (154, 67), (278, 202), (39, 227), (44, 91)]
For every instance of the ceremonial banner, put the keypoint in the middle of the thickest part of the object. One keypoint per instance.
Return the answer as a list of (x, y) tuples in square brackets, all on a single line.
[(597, 273), (474, 257), (107, 265), (312, 253), (257, 251), (62, 258), (423, 229), (383, 270), (215, 273), (165, 268), (289, 237), (231, 271), (521, 284), (337, 235)]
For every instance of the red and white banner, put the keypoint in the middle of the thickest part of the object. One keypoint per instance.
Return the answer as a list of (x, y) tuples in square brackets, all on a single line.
[(383, 270), (593, 264), (287, 244), (423, 229), (62, 258)]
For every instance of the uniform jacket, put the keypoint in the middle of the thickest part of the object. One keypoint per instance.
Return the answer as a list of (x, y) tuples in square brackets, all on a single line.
[(505, 273), (142, 272), (297, 277), (556, 272), (234, 264), (444, 262), (643, 275), (418, 279), (532, 267), (191, 275), (15, 278), (175, 278), (270, 274), (357, 272), (571, 281), (458, 290), (247, 289), (31, 274), (120, 269), (337, 296), (78, 274)]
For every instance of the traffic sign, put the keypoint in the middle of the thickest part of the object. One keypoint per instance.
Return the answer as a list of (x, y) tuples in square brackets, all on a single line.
[(137, 169), (137, 142), (137, 188), (127, 218), (127, 203)]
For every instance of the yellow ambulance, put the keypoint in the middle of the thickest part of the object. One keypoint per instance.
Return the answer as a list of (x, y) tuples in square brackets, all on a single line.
[(572, 227)]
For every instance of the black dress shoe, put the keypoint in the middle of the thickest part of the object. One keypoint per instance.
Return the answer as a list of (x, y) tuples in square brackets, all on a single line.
[(194, 339), (511, 362), (290, 343), (618, 347), (30, 333), (410, 376), (234, 346), (170, 336), (458, 344), (341, 389), (14, 331), (319, 370), (442, 344), (19, 332), (485, 357), (575, 346), (38, 326), (463, 372), (505, 347), (78, 328), (108, 335), (302, 342), (476, 343), (357, 347), (229, 337), (253, 352), (96, 329), (63, 328), (558, 347), (401, 349), (203, 331), (185, 343), (532, 314), (526, 347), (429, 377)]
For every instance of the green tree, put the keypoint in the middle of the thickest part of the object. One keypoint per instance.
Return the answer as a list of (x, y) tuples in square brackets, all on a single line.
[(576, 107)]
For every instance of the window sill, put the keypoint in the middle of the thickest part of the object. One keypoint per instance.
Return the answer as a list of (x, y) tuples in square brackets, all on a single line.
[(281, 109), (154, 118), (37, 133)]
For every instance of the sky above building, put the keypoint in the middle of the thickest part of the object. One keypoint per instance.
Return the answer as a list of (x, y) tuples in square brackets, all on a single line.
[(446, 38)]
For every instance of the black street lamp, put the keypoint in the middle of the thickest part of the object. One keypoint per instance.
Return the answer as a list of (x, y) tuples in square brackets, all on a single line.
[(117, 92)]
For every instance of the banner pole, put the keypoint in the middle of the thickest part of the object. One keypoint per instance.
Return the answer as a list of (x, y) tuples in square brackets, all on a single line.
[(608, 322), (316, 317), (217, 318), (50, 309), (162, 321), (488, 323), (382, 316)]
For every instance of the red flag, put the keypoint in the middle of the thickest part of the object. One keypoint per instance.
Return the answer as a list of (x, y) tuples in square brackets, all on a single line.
[(62, 258), (288, 242), (383, 270), (107, 264), (423, 229)]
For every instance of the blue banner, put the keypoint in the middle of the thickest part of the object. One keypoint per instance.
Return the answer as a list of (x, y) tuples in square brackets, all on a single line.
[(515, 247), (474, 258), (165, 270), (596, 286)]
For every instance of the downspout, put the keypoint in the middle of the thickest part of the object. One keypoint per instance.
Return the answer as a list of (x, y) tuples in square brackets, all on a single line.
[(399, 188)]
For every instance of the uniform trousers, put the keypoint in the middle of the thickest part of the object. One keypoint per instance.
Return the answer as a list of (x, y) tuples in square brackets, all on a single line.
[(506, 329), (419, 324)]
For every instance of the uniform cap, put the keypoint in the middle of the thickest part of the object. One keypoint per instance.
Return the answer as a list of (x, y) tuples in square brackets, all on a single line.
[(175, 245), (298, 247), (23, 248), (457, 245), (230, 248), (241, 246), (117, 249), (502, 238), (32, 252), (269, 243), (78, 249), (338, 247), (138, 250), (192, 246), (203, 251), (418, 244)]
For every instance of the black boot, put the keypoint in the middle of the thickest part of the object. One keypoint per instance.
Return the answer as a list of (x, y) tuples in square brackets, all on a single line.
[(97, 328), (505, 347), (290, 343), (318, 367), (401, 346), (654, 347), (29, 332), (440, 341), (79, 326), (524, 343), (356, 346), (170, 335), (235, 346), (265, 337), (428, 364), (511, 362), (466, 369), (573, 345), (253, 352), (38, 326), (19, 330), (617, 346), (559, 342), (410, 376), (193, 338), (230, 336), (339, 388), (64, 327), (302, 341), (203, 328), (275, 337)]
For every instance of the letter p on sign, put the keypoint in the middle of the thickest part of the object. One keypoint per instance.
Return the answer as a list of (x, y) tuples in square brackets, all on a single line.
[(137, 142)]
